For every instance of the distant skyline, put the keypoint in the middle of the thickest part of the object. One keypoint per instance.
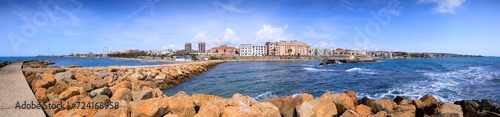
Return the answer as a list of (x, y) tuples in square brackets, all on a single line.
[(30, 28)]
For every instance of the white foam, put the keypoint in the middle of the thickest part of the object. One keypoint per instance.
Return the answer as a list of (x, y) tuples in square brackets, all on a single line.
[(265, 95), (317, 70), (361, 70)]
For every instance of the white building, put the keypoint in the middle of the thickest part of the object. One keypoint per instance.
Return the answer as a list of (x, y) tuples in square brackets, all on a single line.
[(167, 51), (252, 50)]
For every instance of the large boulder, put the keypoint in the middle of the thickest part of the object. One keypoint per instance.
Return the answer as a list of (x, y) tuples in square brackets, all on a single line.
[(49, 78), (384, 105), (122, 94), (154, 107), (208, 109), (181, 104), (363, 110), (430, 104), (81, 77), (64, 76), (352, 94), (342, 101), (102, 91), (137, 76), (451, 109), (41, 84), (70, 92), (200, 98), (403, 111), (40, 95), (264, 109), (142, 95), (419, 112), (101, 98), (350, 113), (289, 104), (321, 107), (240, 100), (98, 84)]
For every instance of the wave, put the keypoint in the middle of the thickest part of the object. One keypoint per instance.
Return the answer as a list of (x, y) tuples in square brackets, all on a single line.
[(317, 70), (444, 86), (361, 70), (265, 95)]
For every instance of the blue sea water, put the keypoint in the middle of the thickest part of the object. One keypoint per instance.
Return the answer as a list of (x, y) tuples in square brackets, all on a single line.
[(85, 62), (448, 79)]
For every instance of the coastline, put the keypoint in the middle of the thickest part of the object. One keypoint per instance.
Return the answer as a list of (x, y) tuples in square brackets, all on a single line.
[(136, 90)]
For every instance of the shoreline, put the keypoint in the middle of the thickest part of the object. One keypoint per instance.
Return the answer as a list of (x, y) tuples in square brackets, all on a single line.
[(137, 91)]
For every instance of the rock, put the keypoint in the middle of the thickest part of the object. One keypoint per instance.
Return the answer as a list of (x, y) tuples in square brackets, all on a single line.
[(122, 94), (321, 107), (363, 110), (366, 101), (381, 114), (350, 113), (289, 105), (60, 87), (419, 112), (448, 108), (98, 84), (67, 113), (148, 108), (486, 105), (70, 92), (429, 103), (342, 101), (149, 84), (384, 105), (403, 111), (51, 96), (137, 76), (208, 109), (352, 94), (102, 91), (240, 100), (157, 92), (181, 104), (80, 77), (398, 99), (41, 84), (101, 98), (40, 95), (141, 95), (278, 102), (64, 76), (160, 77), (200, 98), (237, 111), (266, 109), (49, 78)]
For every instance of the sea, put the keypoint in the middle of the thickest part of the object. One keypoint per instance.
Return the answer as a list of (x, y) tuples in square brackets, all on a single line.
[(85, 62), (448, 79)]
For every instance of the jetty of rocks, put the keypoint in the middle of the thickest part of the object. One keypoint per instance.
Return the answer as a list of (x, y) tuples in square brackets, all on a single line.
[(136, 92)]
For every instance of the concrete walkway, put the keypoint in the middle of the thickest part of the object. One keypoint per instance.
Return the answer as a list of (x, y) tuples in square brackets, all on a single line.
[(14, 88)]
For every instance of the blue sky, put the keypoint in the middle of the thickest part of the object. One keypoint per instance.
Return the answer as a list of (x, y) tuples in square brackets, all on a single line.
[(31, 27)]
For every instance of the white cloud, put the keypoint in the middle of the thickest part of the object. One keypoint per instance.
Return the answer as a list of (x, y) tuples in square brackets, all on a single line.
[(229, 38), (445, 6), (324, 45), (231, 6), (172, 46), (269, 33)]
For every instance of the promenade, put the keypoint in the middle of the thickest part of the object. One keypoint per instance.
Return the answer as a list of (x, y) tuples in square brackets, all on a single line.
[(13, 89)]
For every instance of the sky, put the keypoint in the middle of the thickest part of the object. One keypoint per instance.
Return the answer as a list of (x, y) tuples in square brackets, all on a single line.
[(41, 27)]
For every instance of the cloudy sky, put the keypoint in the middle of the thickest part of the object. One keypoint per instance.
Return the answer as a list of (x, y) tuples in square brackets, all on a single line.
[(31, 27)]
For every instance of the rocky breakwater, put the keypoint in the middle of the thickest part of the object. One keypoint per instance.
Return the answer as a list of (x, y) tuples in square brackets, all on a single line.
[(110, 91)]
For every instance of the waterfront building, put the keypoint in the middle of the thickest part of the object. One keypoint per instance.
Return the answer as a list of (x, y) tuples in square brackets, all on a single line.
[(293, 47), (327, 52), (167, 52), (319, 52), (201, 47), (252, 50), (187, 48), (223, 50), (339, 51)]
